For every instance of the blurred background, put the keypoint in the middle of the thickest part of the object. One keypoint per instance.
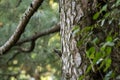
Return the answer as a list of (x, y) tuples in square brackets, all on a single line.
[(40, 64)]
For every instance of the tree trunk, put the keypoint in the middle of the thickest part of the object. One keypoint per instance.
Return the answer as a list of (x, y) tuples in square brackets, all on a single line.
[(72, 59)]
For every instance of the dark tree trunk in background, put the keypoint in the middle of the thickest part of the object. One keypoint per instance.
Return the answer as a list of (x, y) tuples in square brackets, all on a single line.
[(79, 13)]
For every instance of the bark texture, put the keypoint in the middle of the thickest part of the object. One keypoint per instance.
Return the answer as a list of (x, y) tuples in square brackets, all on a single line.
[(70, 16)]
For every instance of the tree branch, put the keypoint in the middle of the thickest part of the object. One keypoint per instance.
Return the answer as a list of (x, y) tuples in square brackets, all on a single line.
[(33, 38), (21, 26), (54, 29), (27, 50)]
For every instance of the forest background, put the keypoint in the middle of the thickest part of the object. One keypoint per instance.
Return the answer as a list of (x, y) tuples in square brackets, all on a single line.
[(42, 61)]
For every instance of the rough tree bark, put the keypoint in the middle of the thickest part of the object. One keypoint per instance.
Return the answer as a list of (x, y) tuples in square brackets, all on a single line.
[(72, 59)]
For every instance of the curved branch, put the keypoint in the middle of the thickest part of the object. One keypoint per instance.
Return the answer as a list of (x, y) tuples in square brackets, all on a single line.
[(54, 29), (21, 26), (27, 50), (30, 49)]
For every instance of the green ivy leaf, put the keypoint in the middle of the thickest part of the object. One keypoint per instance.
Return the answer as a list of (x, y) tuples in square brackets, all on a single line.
[(107, 15), (108, 75), (87, 29), (97, 57), (75, 27), (108, 50), (103, 47), (96, 15), (95, 40), (102, 22), (102, 64), (104, 8), (75, 30), (99, 61), (109, 43), (117, 3), (109, 38), (91, 52), (107, 64), (88, 69), (81, 77)]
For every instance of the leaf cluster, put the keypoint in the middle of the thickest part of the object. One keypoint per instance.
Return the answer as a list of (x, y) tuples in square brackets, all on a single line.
[(100, 40)]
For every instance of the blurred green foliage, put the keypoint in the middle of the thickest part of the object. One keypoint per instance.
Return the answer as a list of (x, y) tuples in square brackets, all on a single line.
[(100, 40), (43, 59)]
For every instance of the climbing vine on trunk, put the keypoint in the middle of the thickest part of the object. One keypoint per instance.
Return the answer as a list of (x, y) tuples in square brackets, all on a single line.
[(88, 43)]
